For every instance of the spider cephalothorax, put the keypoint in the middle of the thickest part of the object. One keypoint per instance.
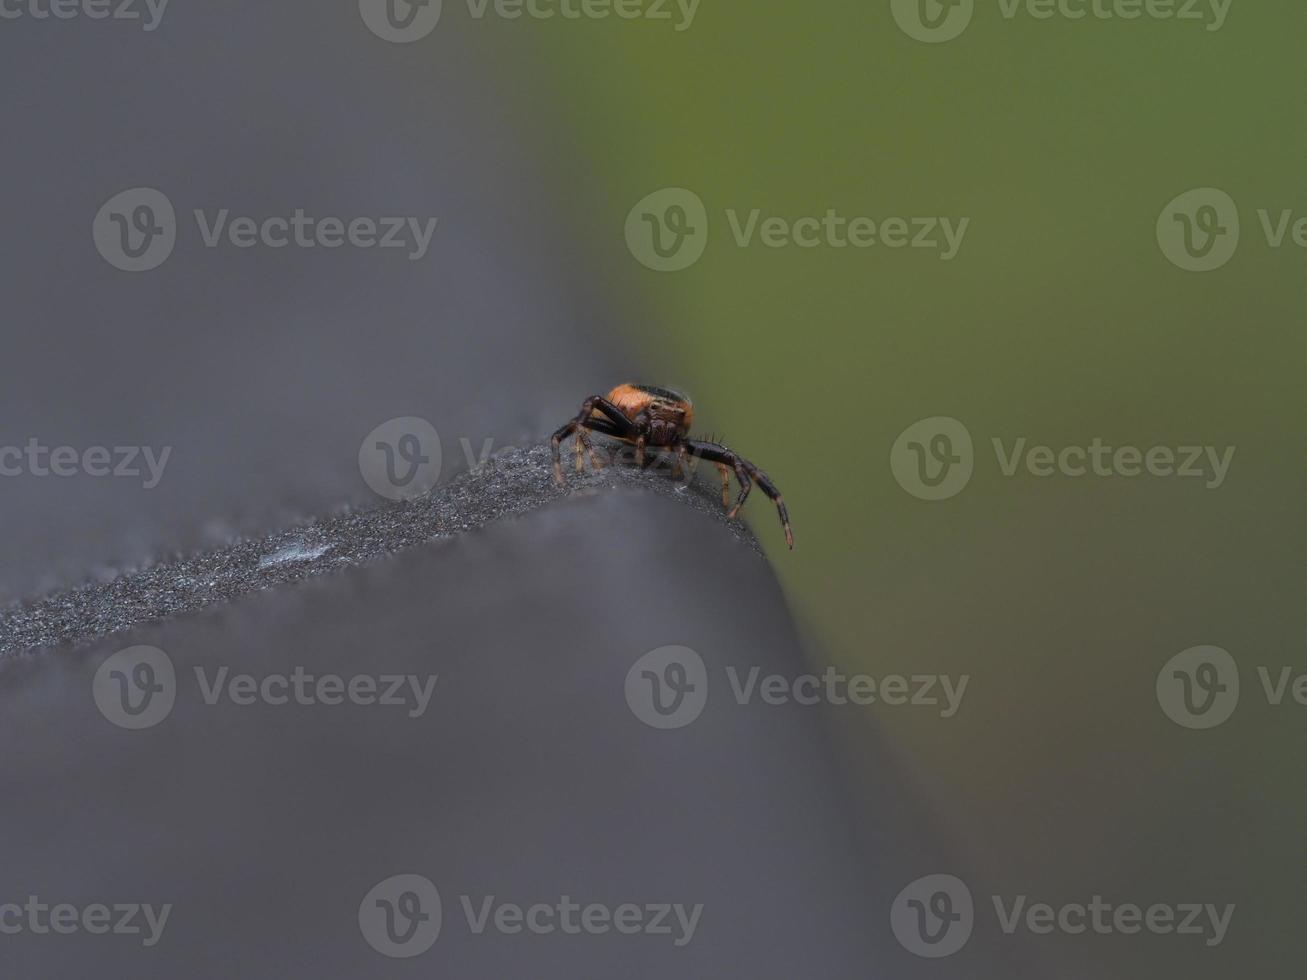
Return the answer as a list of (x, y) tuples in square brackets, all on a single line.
[(660, 418)]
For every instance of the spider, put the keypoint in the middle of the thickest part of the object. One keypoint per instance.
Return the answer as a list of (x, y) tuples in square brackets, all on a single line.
[(660, 418)]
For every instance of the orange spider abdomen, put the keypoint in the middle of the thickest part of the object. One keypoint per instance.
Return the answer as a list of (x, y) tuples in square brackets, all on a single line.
[(632, 399)]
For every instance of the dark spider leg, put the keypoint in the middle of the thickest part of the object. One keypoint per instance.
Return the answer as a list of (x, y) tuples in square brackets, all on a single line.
[(674, 458), (723, 457), (744, 470), (582, 422), (604, 428)]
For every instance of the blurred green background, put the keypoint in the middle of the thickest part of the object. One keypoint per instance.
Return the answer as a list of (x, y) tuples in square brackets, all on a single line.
[(1060, 320)]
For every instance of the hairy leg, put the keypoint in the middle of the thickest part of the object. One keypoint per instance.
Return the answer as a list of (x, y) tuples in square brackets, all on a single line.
[(620, 425), (746, 473)]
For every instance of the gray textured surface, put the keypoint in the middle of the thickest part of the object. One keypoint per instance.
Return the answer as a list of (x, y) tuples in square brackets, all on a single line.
[(528, 777), (264, 368), (509, 484)]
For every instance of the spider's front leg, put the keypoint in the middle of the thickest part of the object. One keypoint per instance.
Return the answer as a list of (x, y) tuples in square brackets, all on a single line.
[(614, 423), (725, 472), (746, 473), (678, 469), (583, 444)]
